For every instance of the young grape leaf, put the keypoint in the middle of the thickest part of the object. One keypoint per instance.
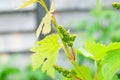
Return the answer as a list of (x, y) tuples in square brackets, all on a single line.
[(46, 51), (113, 46), (96, 49), (45, 25), (110, 64), (52, 8), (93, 50), (64, 78), (27, 3), (85, 53), (100, 76), (83, 72), (86, 71)]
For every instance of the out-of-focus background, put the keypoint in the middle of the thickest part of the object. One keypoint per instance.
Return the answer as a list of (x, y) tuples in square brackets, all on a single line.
[(17, 31)]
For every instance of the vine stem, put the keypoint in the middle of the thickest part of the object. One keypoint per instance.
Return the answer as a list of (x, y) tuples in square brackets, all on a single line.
[(66, 49), (73, 53), (95, 66)]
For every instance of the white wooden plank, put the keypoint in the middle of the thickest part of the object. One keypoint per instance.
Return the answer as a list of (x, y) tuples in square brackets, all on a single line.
[(16, 42), (71, 20), (14, 22), (7, 5), (20, 61), (80, 4), (11, 5)]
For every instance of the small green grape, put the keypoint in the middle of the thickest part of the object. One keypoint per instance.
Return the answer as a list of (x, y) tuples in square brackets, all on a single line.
[(72, 38), (66, 37), (70, 43)]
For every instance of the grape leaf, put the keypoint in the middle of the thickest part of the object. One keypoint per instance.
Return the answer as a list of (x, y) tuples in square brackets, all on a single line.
[(52, 8), (110, 64), (46, 51), (85, 53), (110, 56), (64, 78), (46, 21), (96, 49), (113, 46), (27, 3), (86, 71), (45, 24), (83, 72), (100, 77)]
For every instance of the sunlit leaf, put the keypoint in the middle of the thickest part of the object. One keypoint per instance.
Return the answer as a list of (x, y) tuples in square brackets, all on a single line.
[(52, 8), (46, 51), (86, 71), (110, 64), (96, 49), (113, 46), (83, 72), (27, 3), (85, 53), (64, 78), (45, 25)]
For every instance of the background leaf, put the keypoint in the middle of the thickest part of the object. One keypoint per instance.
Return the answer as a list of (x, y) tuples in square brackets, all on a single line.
[(83, 72), (110, 64), (27, 3), (84, 52), (86, 71), (96, 49), (113, 46)]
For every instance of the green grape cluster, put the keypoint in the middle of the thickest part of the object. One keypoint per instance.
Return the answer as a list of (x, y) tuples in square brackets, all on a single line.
[(66, 37), (66, 73), (116, 5)]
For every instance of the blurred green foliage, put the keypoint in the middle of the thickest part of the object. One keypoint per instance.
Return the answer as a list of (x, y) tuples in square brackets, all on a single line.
[(35, 75), (8, 72), (103, 27)]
